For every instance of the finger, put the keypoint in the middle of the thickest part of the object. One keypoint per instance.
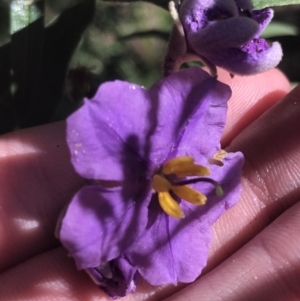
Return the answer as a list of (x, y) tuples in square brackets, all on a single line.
[(49, 276), (53, 276), (251, 96), (271, 181), (267, 268), (271, 176), (37, 180)]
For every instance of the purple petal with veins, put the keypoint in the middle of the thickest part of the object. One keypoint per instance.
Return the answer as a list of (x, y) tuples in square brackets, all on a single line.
[(114, 227)]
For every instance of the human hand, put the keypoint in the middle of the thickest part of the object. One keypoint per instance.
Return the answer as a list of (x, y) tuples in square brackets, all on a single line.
[(37, 181), (259, 238)]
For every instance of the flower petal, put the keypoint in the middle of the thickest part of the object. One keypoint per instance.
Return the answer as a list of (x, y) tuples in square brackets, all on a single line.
[(232, 32), (198, 13), (263, 17), (173, 250), (184, 116), (121, 280), (246, 63), (100, 224), (127, 130), (244, 4), (201, 136), (228, 177), (106, 136)]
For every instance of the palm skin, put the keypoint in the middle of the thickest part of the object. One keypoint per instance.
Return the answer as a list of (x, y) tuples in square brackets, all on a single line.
[(255, 254)]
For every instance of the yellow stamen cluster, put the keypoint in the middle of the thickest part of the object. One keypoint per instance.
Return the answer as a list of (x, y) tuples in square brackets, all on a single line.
[(181, 167)]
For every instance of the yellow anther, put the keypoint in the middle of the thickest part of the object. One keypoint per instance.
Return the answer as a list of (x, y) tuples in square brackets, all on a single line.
[(189, 194), (160, 184), (184, 167), (173, 164), (181, 167), (169, 205), (191, 170), (218, 157)]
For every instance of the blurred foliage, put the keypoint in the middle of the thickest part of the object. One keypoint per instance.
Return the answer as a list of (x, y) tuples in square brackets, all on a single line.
[(22, 15), (257, 3), (111, 49), (289, 16), (61, 50), (280, 29), (266, 3)]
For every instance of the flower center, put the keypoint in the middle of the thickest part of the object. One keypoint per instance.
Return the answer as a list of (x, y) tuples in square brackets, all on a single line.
[(180, 167)]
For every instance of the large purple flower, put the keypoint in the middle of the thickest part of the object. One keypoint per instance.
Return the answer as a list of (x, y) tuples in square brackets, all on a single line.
[(226, 34), (153, 162)]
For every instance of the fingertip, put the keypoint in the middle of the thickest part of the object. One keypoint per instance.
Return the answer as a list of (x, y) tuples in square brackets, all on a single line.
[(251, 97)]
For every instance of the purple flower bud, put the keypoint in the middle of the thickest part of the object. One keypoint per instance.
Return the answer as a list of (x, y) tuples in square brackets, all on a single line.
[(226, 34)]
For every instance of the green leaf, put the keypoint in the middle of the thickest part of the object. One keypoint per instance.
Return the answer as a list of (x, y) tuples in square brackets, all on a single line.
[(267, 3), (279, 29)]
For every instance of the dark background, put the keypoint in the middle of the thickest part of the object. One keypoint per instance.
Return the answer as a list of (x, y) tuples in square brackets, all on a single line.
[(53, 53)]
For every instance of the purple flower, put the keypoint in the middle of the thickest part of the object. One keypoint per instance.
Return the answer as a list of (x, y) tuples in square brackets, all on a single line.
[(149, 205), (226, 34)]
